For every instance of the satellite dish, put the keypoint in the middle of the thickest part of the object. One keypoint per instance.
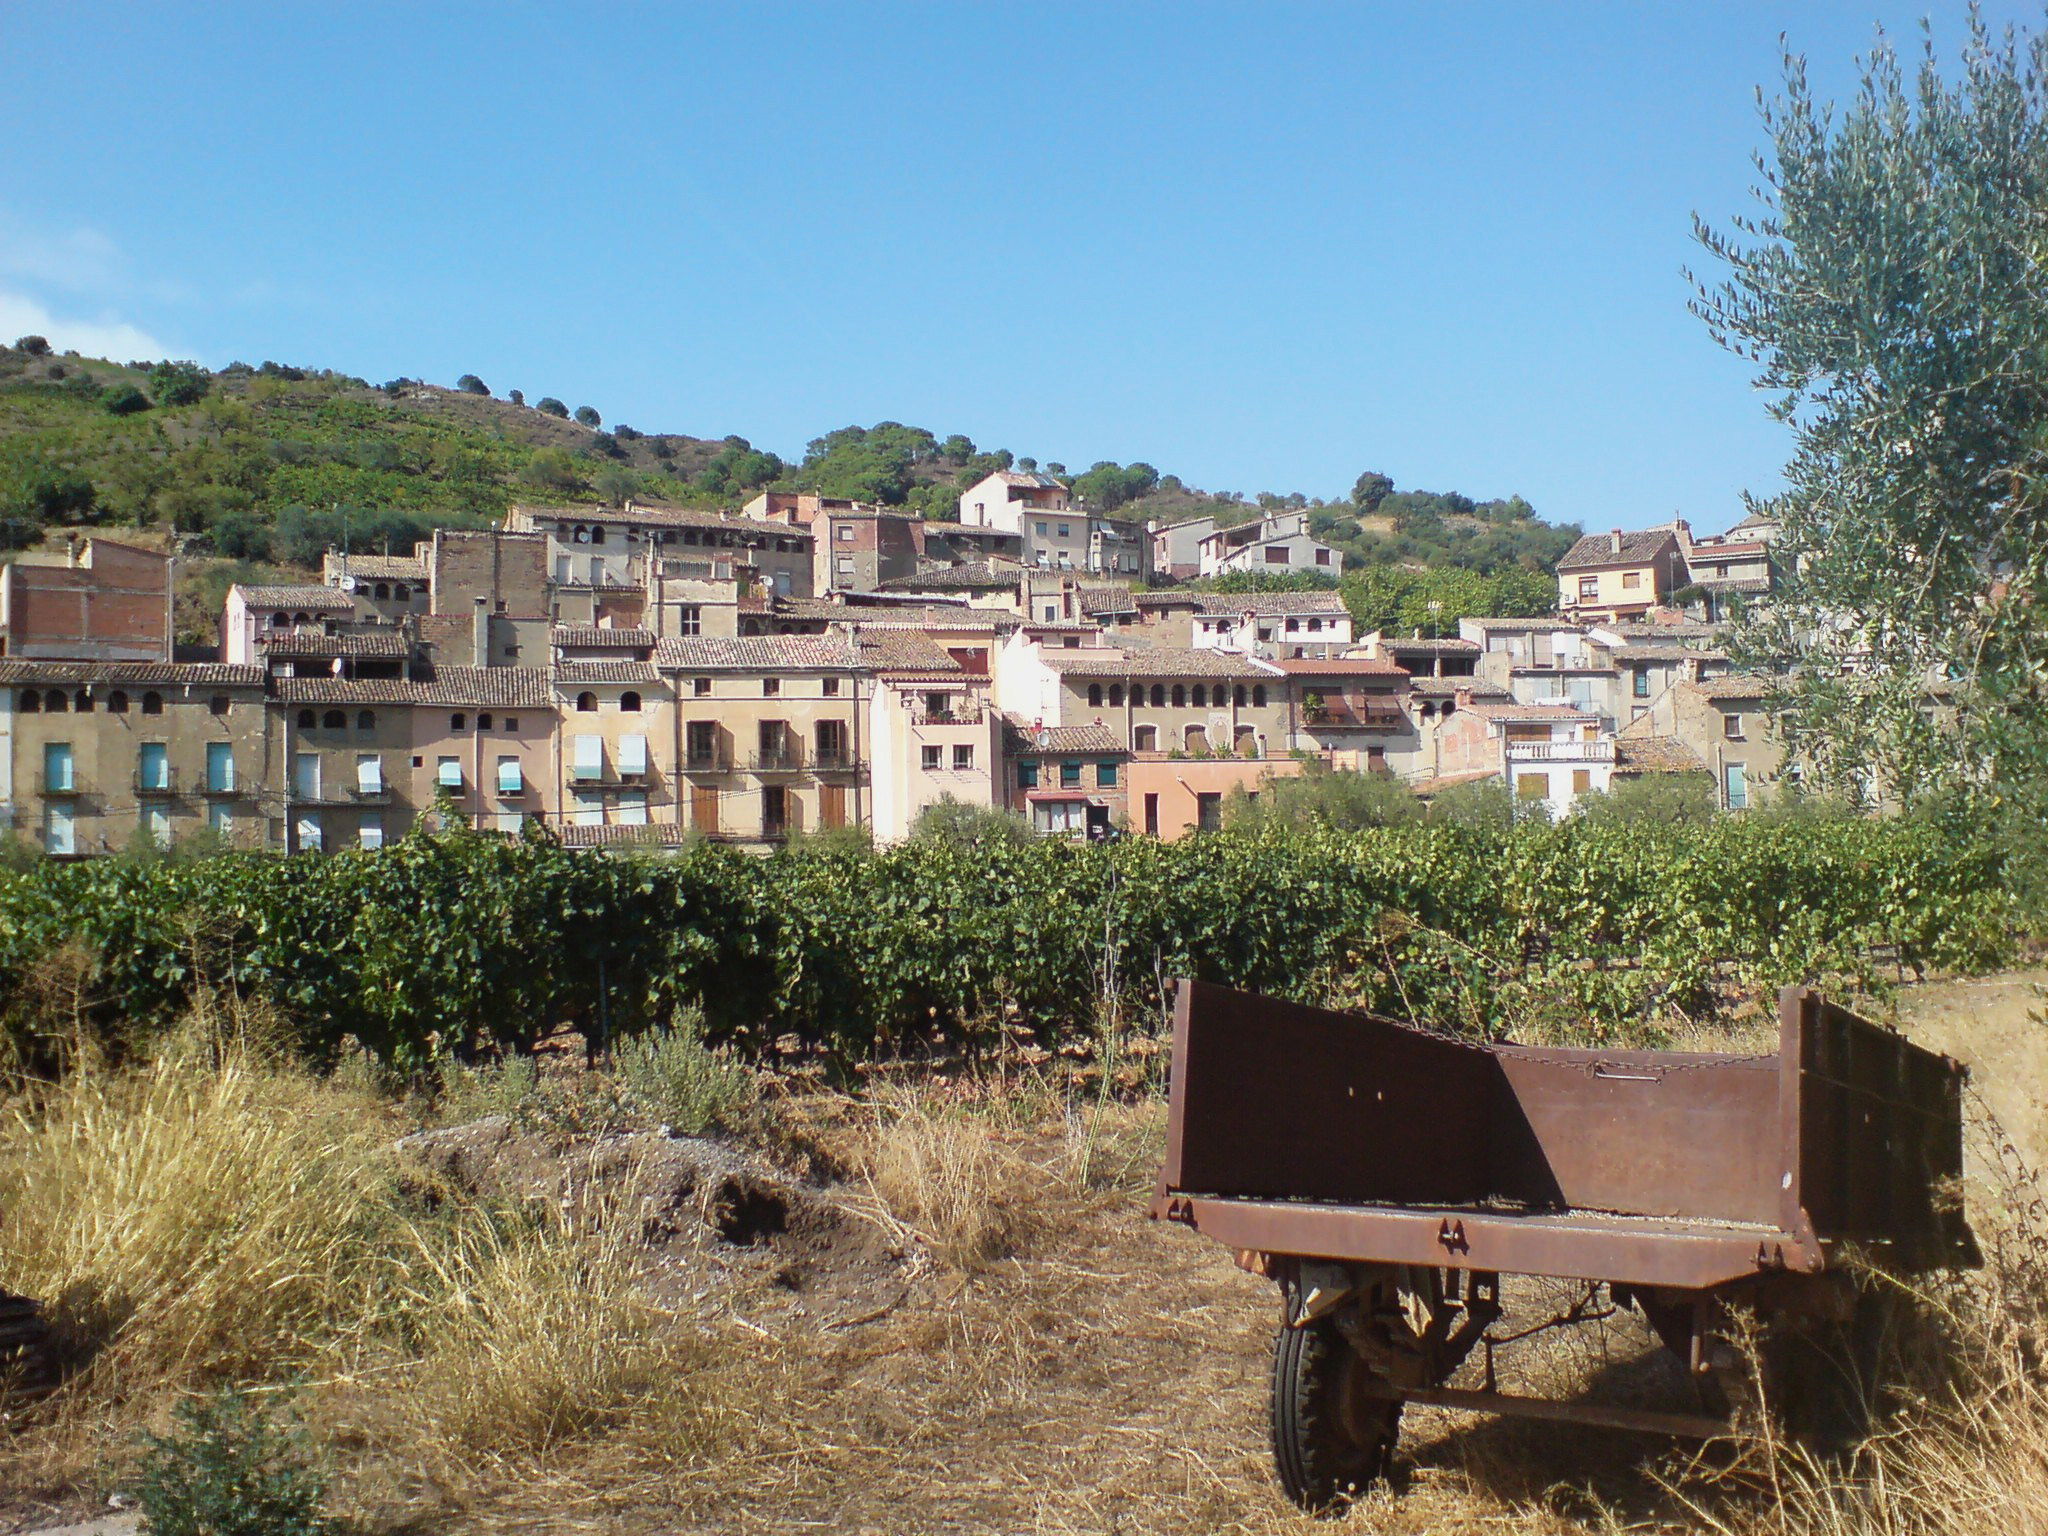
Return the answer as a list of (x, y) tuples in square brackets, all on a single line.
[(347, 583)]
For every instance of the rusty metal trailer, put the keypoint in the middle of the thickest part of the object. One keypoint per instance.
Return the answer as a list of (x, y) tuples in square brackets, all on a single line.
[(1389, 1177)]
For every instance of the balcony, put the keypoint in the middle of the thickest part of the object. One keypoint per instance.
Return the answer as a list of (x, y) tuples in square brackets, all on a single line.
[(788, 759), (715, 759), (1561, 751), (157, 786), (835, 760), (967, 715), (63, 785), (222, 789), (378, 793)]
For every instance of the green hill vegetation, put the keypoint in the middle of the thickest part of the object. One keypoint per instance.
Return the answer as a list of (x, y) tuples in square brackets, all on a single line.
[(256, 469)]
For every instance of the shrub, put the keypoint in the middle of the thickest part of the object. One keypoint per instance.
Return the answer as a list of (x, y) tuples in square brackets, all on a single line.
[(177, 384), (553, 470), (123, 400), (588, 416), (1323, 797), (1672, 799), (470, 384), (967, 827), (517, 397), (671, 1076), (229, 1468), (550, 406), (34, 346)]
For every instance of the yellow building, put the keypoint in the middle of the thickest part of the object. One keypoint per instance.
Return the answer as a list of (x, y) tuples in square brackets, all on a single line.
[(1613, 577)]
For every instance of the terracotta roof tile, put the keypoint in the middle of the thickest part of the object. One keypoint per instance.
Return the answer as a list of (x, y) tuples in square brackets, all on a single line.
[(595, 637), (1022, 735), (1110, 661), (1655, 754), (380, 567), (215, 674), (756, 653), (1636, 549), (1342, 666), (327, 599), (1741, 686), (319, 644), (570, 674)]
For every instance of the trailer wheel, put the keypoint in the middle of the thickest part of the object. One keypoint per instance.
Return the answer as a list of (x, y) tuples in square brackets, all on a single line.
[(1330, 1440)]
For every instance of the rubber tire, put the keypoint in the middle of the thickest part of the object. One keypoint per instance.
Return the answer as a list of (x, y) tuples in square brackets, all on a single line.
[(1330, 1441)]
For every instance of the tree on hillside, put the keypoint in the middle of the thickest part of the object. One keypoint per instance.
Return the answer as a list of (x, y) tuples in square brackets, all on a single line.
[(176, 384), (123, 400), (1370, 489), (1891, 292), (867, 463), (517, 397), (34, 346), (1107, 486), (470, 384), (588, 416), (550, 406)]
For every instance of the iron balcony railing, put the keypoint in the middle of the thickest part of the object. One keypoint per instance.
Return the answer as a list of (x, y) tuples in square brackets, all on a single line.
[(164, 783)]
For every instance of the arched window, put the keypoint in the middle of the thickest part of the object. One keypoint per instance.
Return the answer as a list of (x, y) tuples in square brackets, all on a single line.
[(1449, 709), (306, 718), (483, 722), (402, 592), (31, 702), (383, 591), (597, 534), (1258, 695), (152, 703), (303, 620), (55, 702), (1239, 699), (280, 621), (1180, 697), (1247, 742), (1145, 738), (586, 703), (1201, 697), (1196, 739), (1159, 695), (1116, 695), (366, 720), (334, 720), (458, 722), (629, 701), (582, 534), (1095, 695), (83, 702)]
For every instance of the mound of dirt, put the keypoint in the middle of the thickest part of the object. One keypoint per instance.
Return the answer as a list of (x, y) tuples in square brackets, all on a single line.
[(709, 1216)]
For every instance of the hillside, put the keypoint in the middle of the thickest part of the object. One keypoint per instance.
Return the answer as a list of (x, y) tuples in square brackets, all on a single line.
[(270, 465)]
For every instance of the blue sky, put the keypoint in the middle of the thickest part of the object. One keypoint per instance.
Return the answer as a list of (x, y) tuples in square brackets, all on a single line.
[(1261, 246)]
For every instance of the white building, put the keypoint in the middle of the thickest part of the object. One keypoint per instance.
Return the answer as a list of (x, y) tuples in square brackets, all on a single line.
[(1056, 534), (1277, 542)]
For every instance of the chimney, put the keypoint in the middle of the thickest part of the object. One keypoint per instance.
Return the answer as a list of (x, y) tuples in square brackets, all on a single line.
[(1614, 538), (1462, 696), (480, 632), (71, 550)]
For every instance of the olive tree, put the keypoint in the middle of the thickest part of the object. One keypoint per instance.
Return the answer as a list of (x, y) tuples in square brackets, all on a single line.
[(1892, 291)]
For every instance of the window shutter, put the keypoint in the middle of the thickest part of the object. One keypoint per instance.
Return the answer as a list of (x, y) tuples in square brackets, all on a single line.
[(632, 754), (589, 759)]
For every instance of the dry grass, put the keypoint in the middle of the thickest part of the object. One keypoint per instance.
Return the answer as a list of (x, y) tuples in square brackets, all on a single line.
[(953, 1180)]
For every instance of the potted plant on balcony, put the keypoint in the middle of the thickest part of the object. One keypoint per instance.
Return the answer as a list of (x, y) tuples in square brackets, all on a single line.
[(1313, 709)]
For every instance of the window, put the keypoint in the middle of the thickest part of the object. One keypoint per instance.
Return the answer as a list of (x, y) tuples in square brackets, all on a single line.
[(1532, 786), (55, 702), (1322, 557), (1639, 682), (1116, 695), (369, 774), (448, 772), (306, 775), (370, 830), (586, 703), (629, 701), (401, 592), (589, 808), (220, 766), (1201, 697), (510, 822), (1180, 697), (1631, 580), (156, 824), (1070, 775), (587, 759), (1145, 738), (1731, 727), (1066, 530), (632, 808), (829, 687), (1151, 815), (1258, 695), (511, 724), (153, 767), (597, 535), (1095, 695), (771, 687), (843, 532), (1589, 588), (1293, 626), (383, 591), (510, 780), (483, 722), (1041, 530), (57, 775), (701, 687), (1159, 695), (117, 702), (1582, 781), (1276, 554), (460, 722), (1027, 775), (1209, 811), (334, 720), (307, 833), (689, 620), (1059, 816), (1735, 785), (632, 755), (366, 720), (31, 702), (928, 758), (152, 703), (306, 719), (1105, 775), (220, 820), (219, 704)]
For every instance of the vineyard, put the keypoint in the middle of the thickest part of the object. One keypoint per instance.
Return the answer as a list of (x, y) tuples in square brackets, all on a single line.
[(458, 941)]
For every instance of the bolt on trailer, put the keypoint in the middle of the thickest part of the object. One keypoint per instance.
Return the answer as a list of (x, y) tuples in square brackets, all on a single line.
[(1390, 1179)]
